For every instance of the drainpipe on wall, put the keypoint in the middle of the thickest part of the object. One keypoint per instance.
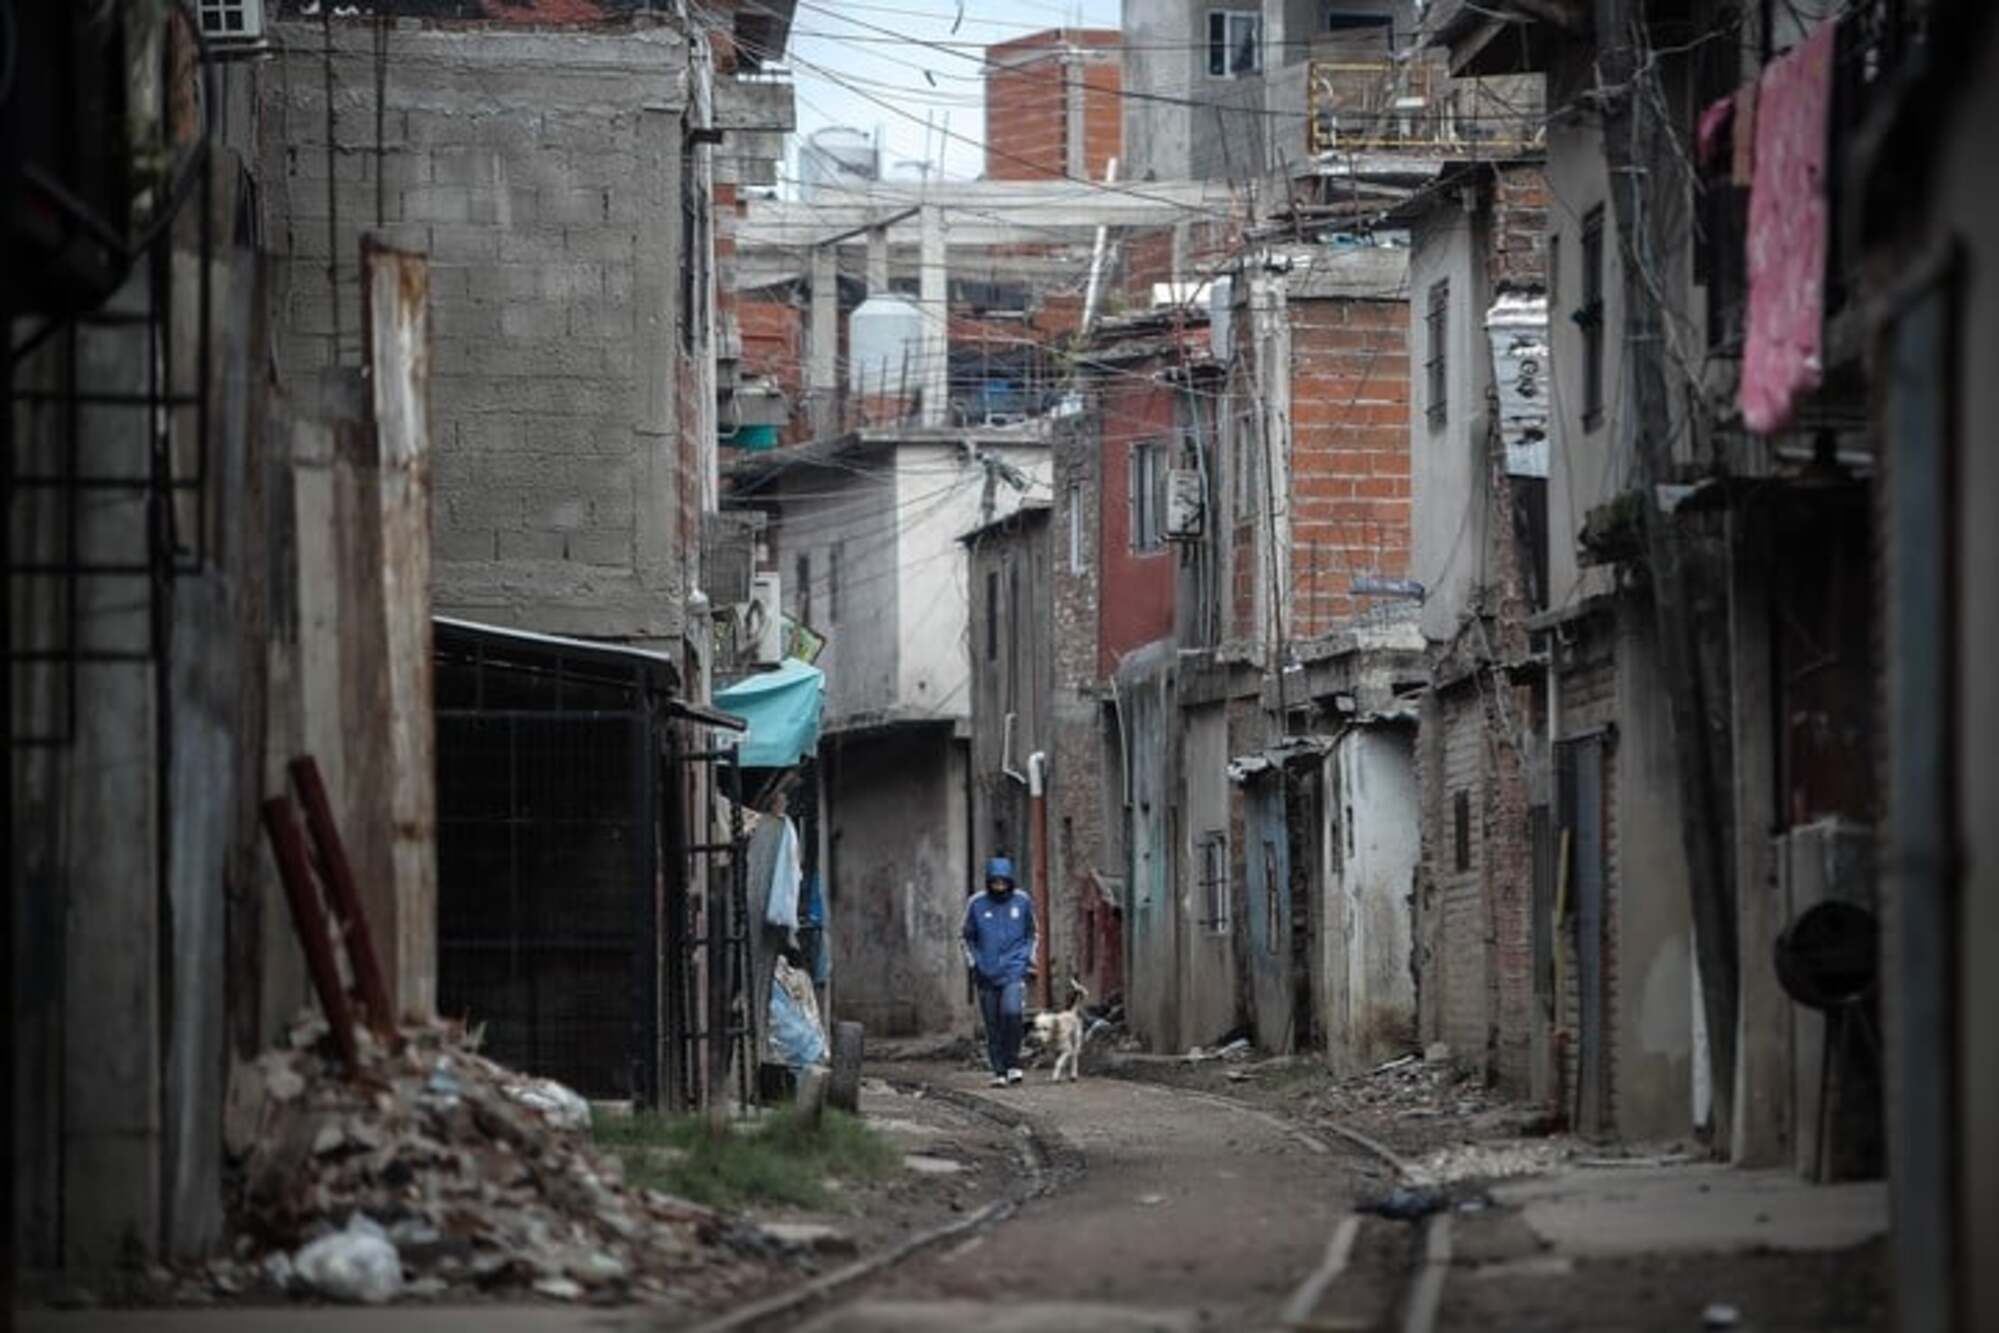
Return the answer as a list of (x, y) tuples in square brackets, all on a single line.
[(1037, 795)]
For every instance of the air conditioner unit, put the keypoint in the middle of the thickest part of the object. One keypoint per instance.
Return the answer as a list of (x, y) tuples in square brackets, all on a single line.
[(227, 24), (760, 622), (1183, 504)]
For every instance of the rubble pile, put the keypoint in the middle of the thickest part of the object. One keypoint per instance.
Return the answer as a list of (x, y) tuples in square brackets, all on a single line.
[(1501, 1160), (435, 1171), (1411, 1086), (1430, 1104)]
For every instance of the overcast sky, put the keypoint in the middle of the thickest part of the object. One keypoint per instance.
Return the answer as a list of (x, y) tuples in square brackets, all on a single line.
[(862, 63)]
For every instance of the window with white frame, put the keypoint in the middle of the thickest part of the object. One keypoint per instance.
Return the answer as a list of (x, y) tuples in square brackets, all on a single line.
[(1075, 527), (1235, 43), (1148, 496)]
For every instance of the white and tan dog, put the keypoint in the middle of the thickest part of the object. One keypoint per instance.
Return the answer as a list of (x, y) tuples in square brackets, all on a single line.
[(1063, 1030)]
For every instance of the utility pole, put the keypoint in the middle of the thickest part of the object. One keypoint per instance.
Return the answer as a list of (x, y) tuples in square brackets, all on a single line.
[(1642, 164)]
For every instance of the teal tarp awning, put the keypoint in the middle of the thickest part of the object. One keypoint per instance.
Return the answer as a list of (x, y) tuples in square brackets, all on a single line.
[(782, 708)]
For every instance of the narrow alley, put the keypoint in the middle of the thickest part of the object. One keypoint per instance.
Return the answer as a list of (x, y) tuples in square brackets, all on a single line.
[(627, 624)]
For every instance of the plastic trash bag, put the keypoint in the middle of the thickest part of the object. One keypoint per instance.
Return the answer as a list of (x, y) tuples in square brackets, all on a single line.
[(558, 1105), (796, 1039), (358, 1264)]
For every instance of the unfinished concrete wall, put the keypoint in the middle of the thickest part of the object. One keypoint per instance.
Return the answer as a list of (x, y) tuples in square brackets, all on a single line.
[(542, 173), (1448, 452), (1164, 63), (1150, 716), (1968, 200), (837, 561), (1370, 900), (940, 495), (1207, 978), (1652, 1095), (1012, 660), (898, 879)]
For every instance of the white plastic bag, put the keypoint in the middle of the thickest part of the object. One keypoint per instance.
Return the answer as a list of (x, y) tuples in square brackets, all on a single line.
[(358, 1264), (558, 1105)]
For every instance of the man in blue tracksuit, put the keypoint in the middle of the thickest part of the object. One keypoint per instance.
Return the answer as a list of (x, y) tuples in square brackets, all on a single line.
[(999, 948)]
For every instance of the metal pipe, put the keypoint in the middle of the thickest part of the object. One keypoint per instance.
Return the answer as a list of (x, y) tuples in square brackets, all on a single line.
[(1097, 257), (1037, 793)]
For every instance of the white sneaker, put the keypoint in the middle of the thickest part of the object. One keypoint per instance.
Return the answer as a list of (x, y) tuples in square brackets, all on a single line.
[(1014, 1076), (999, 1080)]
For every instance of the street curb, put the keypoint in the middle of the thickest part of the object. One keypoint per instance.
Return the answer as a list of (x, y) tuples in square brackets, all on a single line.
[(1051, 1162)]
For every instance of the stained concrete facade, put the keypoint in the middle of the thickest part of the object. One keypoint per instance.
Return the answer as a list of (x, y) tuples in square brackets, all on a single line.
[(866, 540), (1941, 488), (544, 174), (1190, 122), (1371, 852)]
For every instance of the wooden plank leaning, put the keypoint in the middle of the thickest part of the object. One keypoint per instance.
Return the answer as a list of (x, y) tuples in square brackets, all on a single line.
[(295, 869), (337, 874)]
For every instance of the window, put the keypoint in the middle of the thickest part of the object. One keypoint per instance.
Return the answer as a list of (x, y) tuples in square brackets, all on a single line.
[(1075, 527), (992, 615), (1235, 43), (1013, 634), (1461, 812), (1215, 882), (802, 599), (833, 583), (1273, 919), (1148, 495), (1589, 318), (1438, 326)]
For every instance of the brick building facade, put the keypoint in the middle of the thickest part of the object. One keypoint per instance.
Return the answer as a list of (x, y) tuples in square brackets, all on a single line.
[(1054, 105)]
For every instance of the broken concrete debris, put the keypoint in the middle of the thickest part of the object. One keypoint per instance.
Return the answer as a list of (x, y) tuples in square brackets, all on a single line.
[(435, 1171)]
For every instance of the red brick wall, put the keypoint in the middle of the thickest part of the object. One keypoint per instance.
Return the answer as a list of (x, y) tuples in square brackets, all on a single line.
[(773, 338), (1137, 586), (1147, 257), (1027, 118), (1350, 455)]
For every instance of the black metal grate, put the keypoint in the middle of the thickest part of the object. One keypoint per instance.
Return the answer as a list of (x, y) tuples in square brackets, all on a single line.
[(547, 866)]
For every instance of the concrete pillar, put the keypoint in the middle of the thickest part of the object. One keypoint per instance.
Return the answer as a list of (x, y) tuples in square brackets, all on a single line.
[(1075, 123), (823, 368), (877, 261), (110, 977), (1761, 1134), (933, 276)]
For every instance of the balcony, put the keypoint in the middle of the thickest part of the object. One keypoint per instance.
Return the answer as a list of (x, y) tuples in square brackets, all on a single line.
[(1370, 106)]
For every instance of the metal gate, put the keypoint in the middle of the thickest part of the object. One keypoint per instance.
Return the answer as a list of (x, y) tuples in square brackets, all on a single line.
[(711, 1026), (549, 872)]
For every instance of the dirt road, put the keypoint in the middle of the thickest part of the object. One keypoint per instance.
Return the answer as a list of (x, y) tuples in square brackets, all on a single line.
[(1187, 1214)]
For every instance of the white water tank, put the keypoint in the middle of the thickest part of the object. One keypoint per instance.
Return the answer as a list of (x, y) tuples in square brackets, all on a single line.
[(837, 158), (880, 332)]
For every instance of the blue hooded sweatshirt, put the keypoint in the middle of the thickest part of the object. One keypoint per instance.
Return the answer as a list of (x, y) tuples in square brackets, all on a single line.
[(999, 936)]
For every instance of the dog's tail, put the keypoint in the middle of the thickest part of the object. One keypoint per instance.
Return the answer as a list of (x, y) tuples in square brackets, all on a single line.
[(1078, 993)]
